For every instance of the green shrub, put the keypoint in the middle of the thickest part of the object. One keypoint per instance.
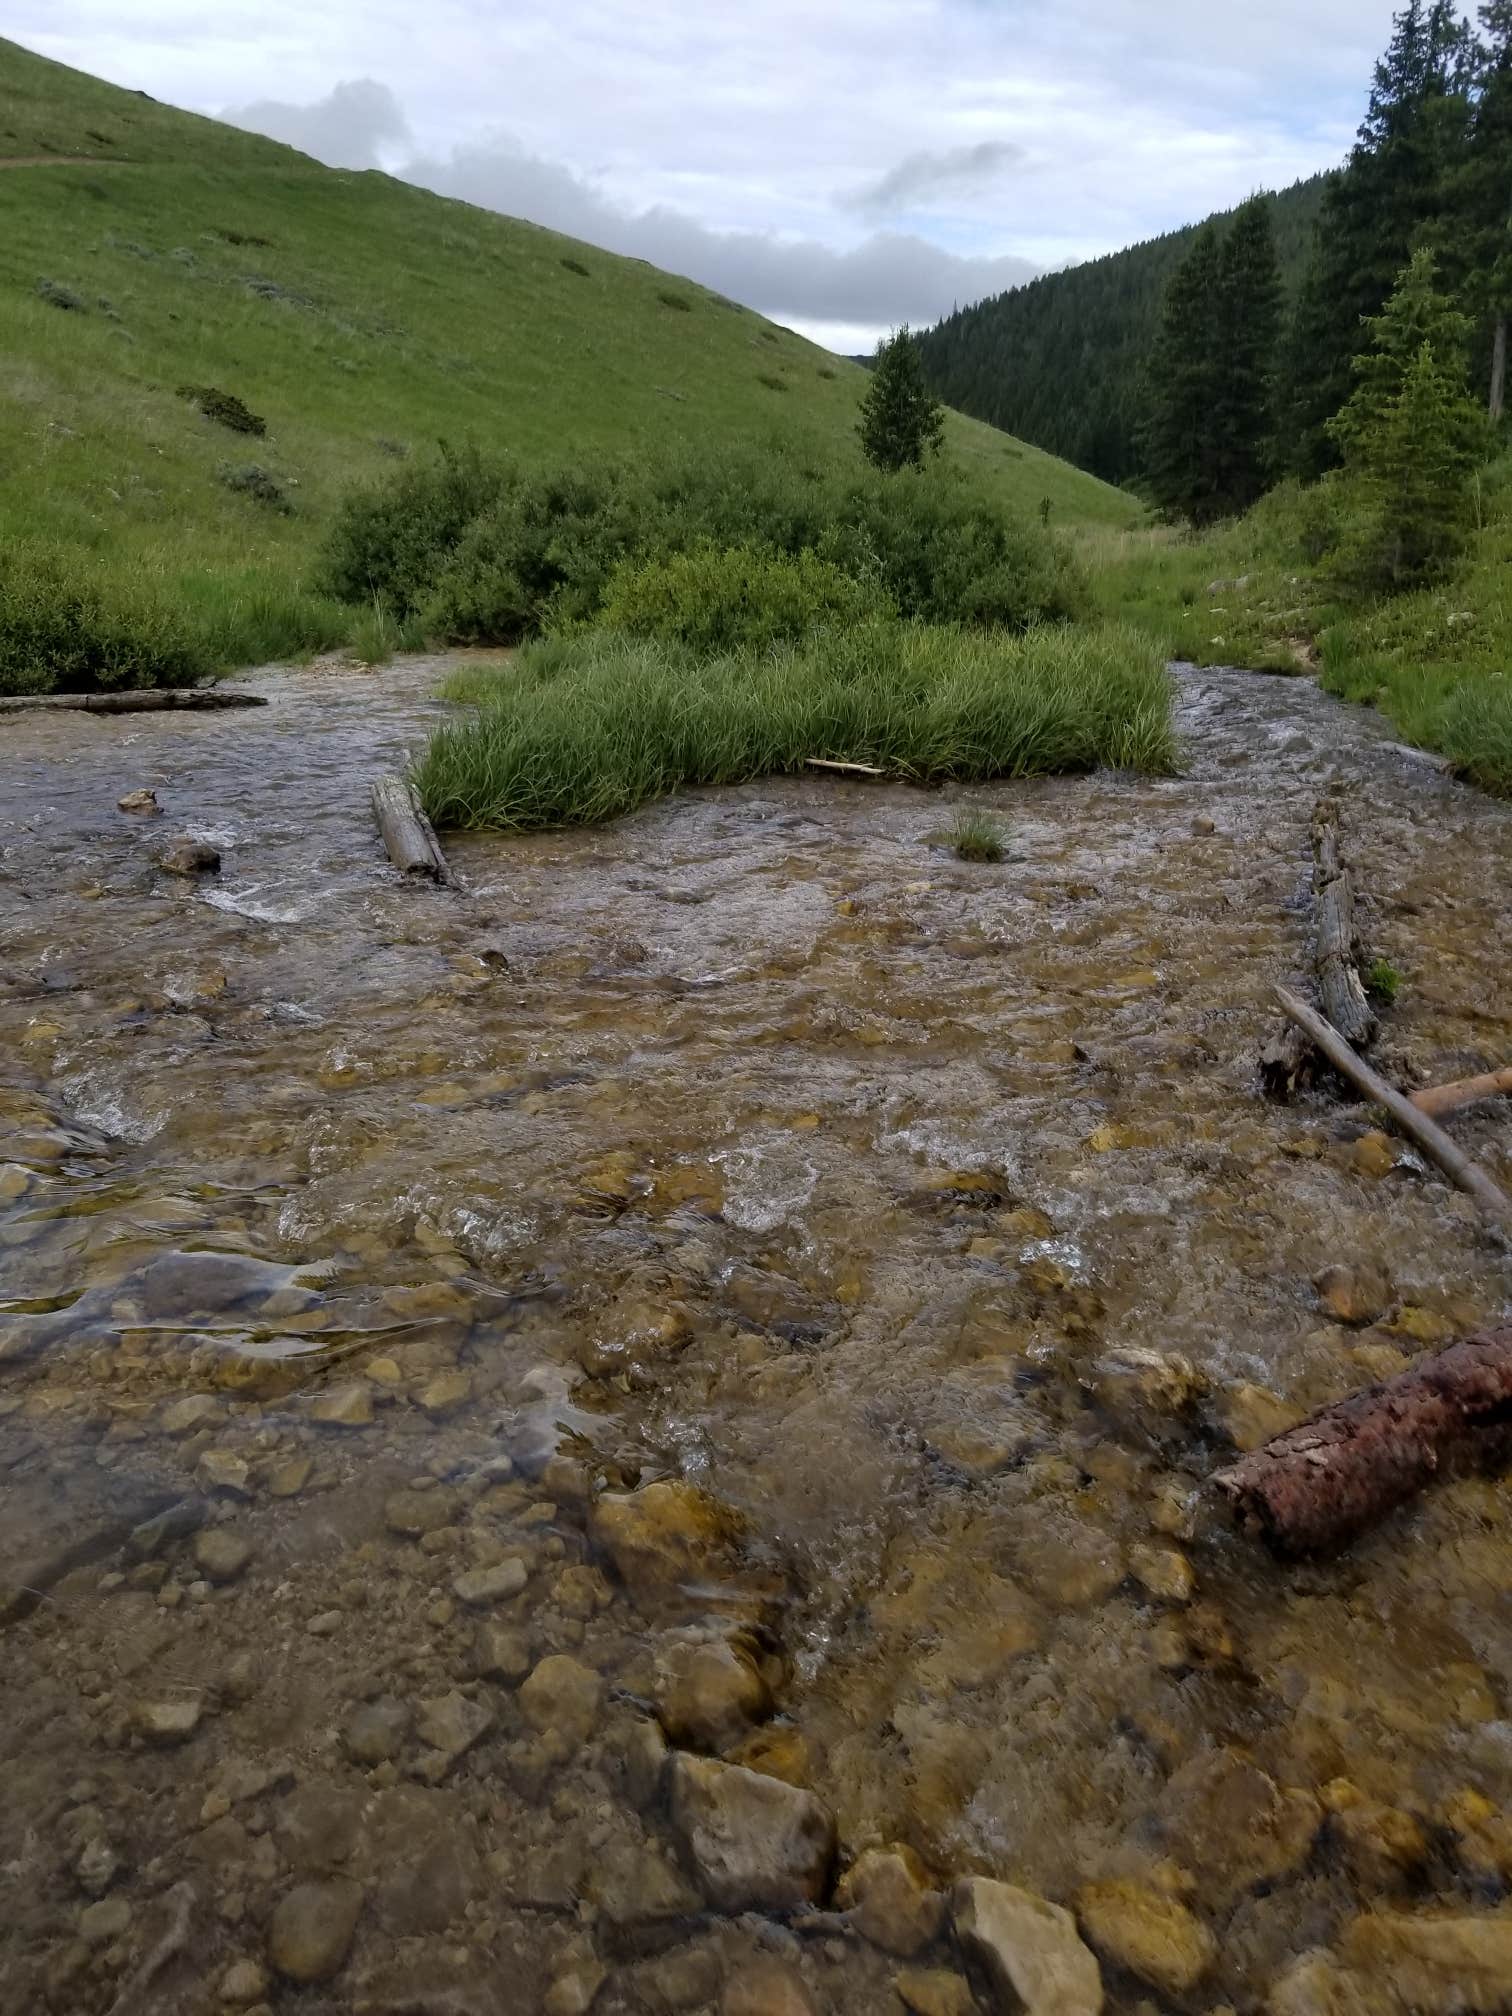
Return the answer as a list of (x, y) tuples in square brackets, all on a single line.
[(250, 479), (56, 295), (224, 408), (575, 266), (1383, 982), (587, 728), (1477, 733), (715, 600), (393, 539), (62, 630), (670, 298)]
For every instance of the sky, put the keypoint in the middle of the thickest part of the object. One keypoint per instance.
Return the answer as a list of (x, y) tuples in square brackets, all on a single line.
[(840, 167)]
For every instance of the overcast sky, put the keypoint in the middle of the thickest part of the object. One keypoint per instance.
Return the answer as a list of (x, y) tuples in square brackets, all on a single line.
[(841, 167)]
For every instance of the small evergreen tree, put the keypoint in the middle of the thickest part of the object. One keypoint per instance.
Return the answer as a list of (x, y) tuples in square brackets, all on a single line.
[(902, 422), (1411, 436)]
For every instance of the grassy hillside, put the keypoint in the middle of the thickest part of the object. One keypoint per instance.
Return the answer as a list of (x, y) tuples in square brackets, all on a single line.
[(360, 319), (1059, 361)]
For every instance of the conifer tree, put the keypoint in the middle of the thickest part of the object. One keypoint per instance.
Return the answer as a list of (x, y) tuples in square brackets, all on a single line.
[(1411, 436), (1483, 195), (902, 422), (1180, 443), (1250, 325)]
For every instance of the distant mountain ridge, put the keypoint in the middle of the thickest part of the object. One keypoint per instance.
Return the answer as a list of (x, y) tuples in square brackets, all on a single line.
[(1058, 362)]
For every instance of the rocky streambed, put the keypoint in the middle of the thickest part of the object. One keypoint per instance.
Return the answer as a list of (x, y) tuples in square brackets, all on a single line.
[(632, 1436)]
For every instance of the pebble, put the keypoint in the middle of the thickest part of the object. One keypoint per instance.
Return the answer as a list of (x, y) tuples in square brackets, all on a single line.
[(503, 1653), (325, 1624), (311, 1930), (244, 1981), (343, 1407), (754, 1843), (451, 1724), (167, 1723), (219, 1470), (412, 1514), (139, 801), (574, 1992), (375, 1731), (562, 1697), (1029, 1951), (890, 1901), (1356, 1295), (289, 1478), (1148, 1932), (446, 1392), (100, 1923), (221, 1554), (1165, 1572), (195, 1410), (482, 1586)]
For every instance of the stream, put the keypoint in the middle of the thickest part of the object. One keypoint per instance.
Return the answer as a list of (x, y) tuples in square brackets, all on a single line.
[(740, 1282)]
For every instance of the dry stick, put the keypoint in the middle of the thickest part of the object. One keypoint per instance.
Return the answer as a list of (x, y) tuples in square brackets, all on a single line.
[(1416, 1125), (407, 833), (845, 769), (1437, 1099)]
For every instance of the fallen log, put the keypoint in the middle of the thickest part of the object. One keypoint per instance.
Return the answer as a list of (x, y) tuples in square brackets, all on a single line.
[(407, 833), (146, 700), (1423, 1132), (1322, 1483), (1339, 983), (1438, 1099)]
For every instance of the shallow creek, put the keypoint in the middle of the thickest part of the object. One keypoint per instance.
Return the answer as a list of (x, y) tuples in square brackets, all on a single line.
[(365, 1249)]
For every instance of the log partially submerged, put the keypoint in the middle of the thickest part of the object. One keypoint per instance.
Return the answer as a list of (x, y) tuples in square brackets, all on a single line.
[(1289, 1058), (1315, 1488), (145, 700), (1438, 1099), (1422, 1131), (407, 833)]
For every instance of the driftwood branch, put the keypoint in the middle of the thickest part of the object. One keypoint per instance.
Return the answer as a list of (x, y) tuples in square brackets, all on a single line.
[(407, 833), (842, 769), (1422, 1131), (148, 700), (1439, 1099), (1322, 1483)]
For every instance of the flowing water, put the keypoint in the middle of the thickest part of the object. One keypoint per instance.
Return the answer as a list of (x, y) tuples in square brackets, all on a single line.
[(364, 1246)]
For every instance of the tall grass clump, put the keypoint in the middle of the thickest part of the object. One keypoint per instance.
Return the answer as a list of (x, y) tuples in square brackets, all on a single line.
[(718, 600), (67, 627), (586, 728), (977, 836), (1477, 733)]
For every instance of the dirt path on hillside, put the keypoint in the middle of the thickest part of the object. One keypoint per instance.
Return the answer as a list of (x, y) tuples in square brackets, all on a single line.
[(366, 1251)]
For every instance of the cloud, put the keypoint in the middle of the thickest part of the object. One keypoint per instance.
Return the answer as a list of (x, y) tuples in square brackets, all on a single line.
[(356, 125), (888, 278), (926, 178)]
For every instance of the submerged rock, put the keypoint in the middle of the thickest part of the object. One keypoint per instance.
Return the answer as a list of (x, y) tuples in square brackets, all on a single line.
[(673, 1545), (190, 857), (1148, 1932), (1030, 1952), (709, 1693), (766, 1987), (753, 1843), (1458, 1965), (311, 1930), (562, 1697), (935, 1991), (890, 1900), (1232, 1826)]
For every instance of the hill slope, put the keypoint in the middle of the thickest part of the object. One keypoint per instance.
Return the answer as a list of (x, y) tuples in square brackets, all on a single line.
[(1059, 361), (359, 317)]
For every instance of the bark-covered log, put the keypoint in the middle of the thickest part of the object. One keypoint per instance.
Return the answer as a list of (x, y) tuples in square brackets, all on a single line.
[(143, 700), (1321, 1484), (1439, 1099), (407, 833), (1339, 984)]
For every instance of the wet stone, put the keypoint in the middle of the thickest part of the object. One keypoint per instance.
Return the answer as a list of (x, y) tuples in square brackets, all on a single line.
[(765, 1987), (503, 1653), (193, 1412), (890, 1901), (1164, 1572), (451, 1724), (244, 1982), (752, 1842), (311, 1930), (1232, 1826), (190, 857), (561, 1697), (482, 1586), (166, 1724), (412, 1514), (288, 1478), (375, 1730), (1434, 1965), (671, 1544), (221, 1554), (108, 1920), (935, 1991), (633, 1888), (1030, 1953), (1356, 1295), (343, 1407), (1148, 1932), (219, 1470), (574, 1992), (97, 1867), (709, 1693), (143, 801)]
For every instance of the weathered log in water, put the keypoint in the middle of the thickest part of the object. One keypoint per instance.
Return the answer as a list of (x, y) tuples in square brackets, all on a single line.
[(1323, 1483), (407, 833), (1435, 1100), (1289, 1059), (146, 700)]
